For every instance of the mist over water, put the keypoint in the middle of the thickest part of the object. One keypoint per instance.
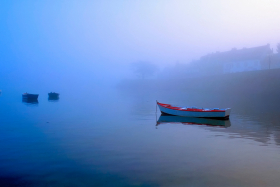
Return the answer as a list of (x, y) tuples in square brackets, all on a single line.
[(114, 137), (110, 62)]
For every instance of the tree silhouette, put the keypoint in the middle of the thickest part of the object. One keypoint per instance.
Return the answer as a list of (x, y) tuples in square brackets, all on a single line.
[(144, 69), (278, 48)]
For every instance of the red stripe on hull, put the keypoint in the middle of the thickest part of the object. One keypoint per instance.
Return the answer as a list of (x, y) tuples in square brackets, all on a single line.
[(187, 109)]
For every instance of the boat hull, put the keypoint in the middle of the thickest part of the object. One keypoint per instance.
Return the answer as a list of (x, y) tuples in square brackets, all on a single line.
[(53, 94), (199, 114), (30, 96)]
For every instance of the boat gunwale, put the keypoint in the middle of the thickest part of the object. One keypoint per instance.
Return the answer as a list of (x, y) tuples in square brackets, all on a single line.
[(189, 109)]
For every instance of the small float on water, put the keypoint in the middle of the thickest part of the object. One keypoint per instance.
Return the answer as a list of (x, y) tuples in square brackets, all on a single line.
[(30, 96), (194, 111), (53, 94)]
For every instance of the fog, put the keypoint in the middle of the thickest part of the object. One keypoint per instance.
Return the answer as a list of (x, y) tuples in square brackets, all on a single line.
[(110, 60), (73, 42)]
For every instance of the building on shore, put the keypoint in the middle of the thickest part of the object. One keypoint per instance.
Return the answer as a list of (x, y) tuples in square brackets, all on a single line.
[(239, 60), (233, 61)]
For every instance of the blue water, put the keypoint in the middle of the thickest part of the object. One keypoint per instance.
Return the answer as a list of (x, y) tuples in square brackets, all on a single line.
[(111, 137)]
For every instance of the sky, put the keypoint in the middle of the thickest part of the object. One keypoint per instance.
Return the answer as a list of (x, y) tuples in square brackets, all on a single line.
[(92, 36)]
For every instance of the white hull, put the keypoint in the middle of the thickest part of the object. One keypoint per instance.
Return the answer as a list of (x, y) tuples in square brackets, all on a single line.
[(223, 113)]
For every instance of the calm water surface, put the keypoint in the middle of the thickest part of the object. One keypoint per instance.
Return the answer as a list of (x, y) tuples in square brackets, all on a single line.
[(114, 138)]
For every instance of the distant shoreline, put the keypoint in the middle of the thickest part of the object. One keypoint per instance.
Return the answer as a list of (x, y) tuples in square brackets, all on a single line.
[(250, 86)]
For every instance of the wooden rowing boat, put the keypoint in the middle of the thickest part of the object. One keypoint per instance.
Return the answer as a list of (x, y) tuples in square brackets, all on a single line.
[(30, 96), (194, 111)]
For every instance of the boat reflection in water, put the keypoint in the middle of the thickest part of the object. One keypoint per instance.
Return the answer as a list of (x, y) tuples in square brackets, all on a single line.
[(165, 119), (30, 101), (53, 99)]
